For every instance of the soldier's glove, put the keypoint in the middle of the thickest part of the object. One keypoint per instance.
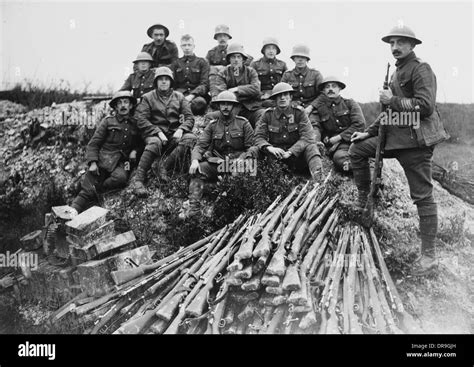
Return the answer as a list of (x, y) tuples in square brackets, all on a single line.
[(94, 169)]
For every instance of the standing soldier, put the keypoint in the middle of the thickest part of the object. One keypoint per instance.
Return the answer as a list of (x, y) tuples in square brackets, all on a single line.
[(229, 137), (412, 90), (191, 75), (304, 80), (241, 80), (284, 132), (163, 51), (269, 69), (141, 81), (337, 119), (110, 151), (165, 121)]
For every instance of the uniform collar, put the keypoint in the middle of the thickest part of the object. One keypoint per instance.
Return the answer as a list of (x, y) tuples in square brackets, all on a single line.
[(286, 112), (400, 63), (270, 61), (164, 94), (163, 45), (122, 119), (303, 71), (190, 57)]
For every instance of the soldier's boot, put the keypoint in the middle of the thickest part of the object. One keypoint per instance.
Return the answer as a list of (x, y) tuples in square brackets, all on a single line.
[(196, 190), (427, 262), (362, 181), (143, 166), (316, 168)]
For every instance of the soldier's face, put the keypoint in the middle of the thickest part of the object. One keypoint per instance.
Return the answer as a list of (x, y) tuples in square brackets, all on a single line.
[(283, 100), (300, 62), (226, 108), (158, 36), (123, 106), (332, 90), (400, 47), (187, 46), (164, 83), (143, 65), (270, 52), (236, 60), (222, 39)]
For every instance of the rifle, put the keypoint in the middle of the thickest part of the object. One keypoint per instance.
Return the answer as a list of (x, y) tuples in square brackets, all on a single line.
[(368, 212)]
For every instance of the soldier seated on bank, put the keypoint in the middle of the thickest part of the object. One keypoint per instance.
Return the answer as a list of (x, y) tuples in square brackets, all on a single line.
[(269, 69), (285, 133), (337, 119), (110, 152), (165, 121), (223, 146), (241, 80), (191, 75), (141, 81)]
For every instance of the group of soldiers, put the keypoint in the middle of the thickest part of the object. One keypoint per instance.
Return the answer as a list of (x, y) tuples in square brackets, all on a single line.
[(258, 108)]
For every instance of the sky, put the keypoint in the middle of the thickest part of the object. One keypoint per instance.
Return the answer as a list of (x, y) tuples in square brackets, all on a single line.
[(88, 43)]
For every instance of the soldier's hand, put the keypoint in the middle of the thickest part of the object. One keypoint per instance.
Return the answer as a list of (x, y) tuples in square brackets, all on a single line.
[(94, 169), (178, 134), (385, 95), (133, 156), (358, 136), (234, 90), (163, 138), (321, 146), (335, 139), (190, 97), (195, 167), (308, 110), (287, 155), (265, 96), (277, 152)]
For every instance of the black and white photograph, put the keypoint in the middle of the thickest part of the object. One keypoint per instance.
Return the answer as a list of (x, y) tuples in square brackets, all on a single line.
[(224, 167)]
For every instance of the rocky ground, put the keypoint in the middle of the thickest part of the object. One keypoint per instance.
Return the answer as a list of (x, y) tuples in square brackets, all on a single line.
[(36, 174)]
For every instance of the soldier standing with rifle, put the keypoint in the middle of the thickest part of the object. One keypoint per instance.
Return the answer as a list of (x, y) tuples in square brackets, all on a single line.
[(229, 137), (165, 121), (412, 89)]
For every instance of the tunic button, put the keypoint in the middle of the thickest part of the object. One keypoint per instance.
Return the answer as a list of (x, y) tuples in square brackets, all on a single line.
[(337, 120)]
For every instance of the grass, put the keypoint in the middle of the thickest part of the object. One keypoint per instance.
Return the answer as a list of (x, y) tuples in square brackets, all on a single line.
[(462, 153)]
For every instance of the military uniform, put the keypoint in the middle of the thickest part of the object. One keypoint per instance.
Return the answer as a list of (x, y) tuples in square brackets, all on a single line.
[(163, 55), (270, 72), (191, 76), (166, 113), (139, 83), (248, 93), (305, 83), (217, 56), (338, 116), (220, 139), (289, 130), (414, 90), (110, 147)]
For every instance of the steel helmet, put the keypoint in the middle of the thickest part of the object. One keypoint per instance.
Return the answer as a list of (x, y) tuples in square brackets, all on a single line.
[(270, 41), (122, 94), (143, 56), (222, 28), (280, 88), (163, 70), (331, 79), (300, 50), (235, 48), (401, 31), (226, 96), (159, 26)]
